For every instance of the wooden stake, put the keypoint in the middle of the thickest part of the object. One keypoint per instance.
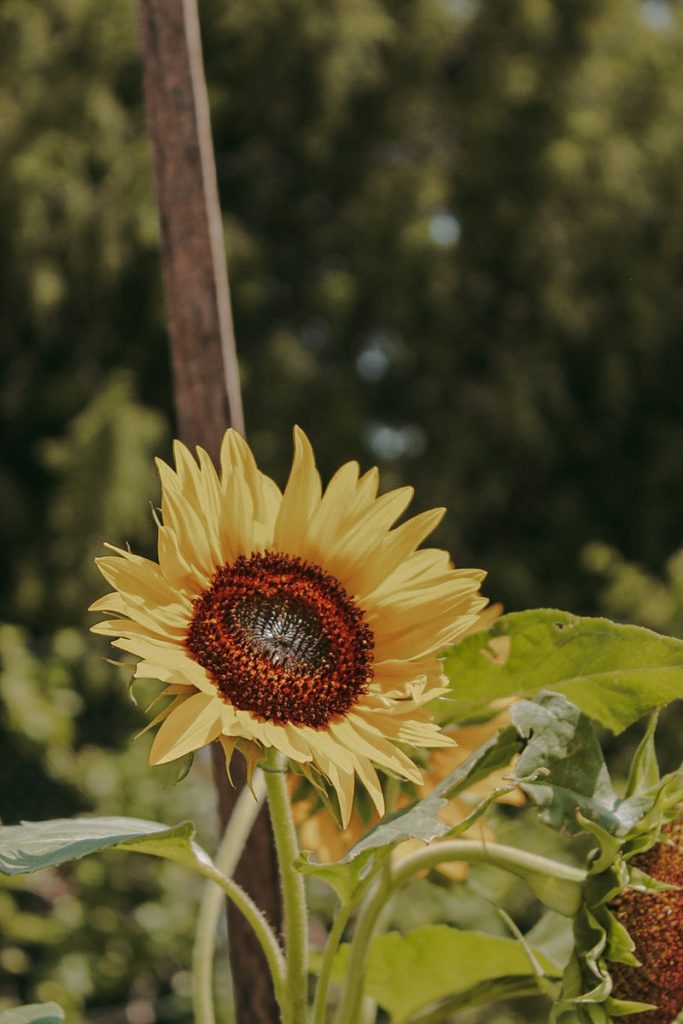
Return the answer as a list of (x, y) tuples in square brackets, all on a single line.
[(205, 370)]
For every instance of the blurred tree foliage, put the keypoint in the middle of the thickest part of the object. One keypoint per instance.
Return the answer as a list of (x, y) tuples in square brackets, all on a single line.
[(455, 237), (631, 594)]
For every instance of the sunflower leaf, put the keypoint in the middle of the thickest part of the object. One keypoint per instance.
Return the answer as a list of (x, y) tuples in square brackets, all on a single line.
[(571, 774), (644, 774), (33, 1013), (421, 819), (490, 991), (347, 879), (410, 972), (40, 844), (613, 673)]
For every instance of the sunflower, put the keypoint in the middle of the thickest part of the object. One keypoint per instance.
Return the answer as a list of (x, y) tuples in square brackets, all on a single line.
[(627, 963), (302, 620), (654, 920)]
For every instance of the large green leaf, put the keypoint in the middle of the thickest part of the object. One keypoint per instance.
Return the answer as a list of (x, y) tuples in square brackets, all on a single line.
[(40, 844), (562, 743), (407, 973), (615, 674), (35, 1013), (562, 768)]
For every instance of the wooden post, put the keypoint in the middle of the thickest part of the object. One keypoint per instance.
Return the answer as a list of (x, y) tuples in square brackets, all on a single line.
[(205, 372)]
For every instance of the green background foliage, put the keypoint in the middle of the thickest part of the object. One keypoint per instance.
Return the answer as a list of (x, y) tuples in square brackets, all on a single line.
[(455, 239)]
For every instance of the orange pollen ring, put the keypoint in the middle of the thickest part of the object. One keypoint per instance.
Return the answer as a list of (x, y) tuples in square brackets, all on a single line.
[(282, 638)]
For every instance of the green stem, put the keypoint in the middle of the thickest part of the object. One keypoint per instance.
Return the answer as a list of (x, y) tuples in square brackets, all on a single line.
[(213, 898), (331, 947), (557, 885), (262, 930), (535, 869), (295, 1009), (349, 1008)]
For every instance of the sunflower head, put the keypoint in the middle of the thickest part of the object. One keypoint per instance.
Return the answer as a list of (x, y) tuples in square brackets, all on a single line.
[(302, 620), (654, 920), (628, 955)]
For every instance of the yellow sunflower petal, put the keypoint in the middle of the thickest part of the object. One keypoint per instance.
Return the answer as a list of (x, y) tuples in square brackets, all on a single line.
[(332, 514), (337, 765), (210, 491), (178, 572), (178, 667), (198, 544), (164, 713), (386, 756), (109, 603), (366, 492), (237, 536), (236, 457), (368, 776), (192, 724), (395, 548), (300, 498), (285, 739), (426, 564), (129, 628), (348, 557), (137, 580)]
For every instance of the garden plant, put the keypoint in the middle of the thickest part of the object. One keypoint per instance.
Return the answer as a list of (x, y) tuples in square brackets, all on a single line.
[(306, 633), (354, 690)]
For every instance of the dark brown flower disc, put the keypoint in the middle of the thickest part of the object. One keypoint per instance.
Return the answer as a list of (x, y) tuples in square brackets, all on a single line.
[(655, 923), (282, 638)]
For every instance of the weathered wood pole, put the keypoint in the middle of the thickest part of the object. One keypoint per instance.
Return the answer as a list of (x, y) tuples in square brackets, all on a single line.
[(205, 372)]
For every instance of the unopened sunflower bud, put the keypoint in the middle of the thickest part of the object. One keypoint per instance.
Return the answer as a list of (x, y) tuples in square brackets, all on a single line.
[(654, 921)]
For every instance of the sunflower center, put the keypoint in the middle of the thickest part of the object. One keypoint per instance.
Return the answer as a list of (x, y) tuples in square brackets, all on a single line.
[(282, 639)]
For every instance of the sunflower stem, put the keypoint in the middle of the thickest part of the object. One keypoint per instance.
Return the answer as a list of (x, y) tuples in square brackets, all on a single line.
[(331, 946), (295, 1010), (349, 1008), (262, 930), (519, 862), (213, 898)]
